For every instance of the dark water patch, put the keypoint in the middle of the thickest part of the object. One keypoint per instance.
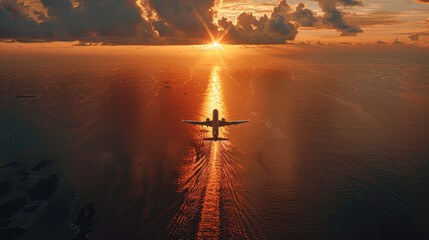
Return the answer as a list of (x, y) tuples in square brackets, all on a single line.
[(30, 209), (10, 208), (83, 222), (43, 189), (11, 165), (24, 179), (5, 188), (41, 165), (12, 233), (25, 173), (5, 223)]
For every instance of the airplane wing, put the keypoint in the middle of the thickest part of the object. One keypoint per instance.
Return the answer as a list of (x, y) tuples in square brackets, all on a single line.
[(205, 123), (228, 123)]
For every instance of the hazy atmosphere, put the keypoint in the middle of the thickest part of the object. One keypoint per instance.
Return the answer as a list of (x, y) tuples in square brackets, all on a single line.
[(186, 119)]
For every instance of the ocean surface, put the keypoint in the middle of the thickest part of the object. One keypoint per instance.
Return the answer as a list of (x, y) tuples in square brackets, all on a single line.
[(337, 146)]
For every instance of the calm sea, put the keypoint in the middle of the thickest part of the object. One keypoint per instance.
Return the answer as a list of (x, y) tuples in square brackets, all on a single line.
[(337, 146)]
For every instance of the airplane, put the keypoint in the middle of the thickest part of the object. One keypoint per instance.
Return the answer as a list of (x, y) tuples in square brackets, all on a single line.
[(215, 124)]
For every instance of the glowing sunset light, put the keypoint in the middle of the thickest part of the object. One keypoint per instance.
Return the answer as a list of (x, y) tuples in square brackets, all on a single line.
[(213, 46), (214, 119)]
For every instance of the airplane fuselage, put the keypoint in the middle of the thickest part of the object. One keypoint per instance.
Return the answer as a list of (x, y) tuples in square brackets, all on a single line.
[(215, 127), (215, 124)]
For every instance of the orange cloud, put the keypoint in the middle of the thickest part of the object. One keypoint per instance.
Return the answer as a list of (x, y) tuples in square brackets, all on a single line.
[(372, 19)]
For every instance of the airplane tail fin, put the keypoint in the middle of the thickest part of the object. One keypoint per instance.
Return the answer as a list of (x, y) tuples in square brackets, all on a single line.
[(215, 139)]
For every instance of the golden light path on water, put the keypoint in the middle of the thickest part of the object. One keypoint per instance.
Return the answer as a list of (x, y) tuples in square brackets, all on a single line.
[(209, 224), (208, 178)]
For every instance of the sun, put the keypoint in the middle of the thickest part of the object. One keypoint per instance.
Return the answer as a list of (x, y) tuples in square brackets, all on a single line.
[(216, 45), (213, 46)]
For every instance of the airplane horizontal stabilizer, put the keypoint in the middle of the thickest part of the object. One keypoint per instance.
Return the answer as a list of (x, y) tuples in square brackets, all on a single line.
[(215, 139)]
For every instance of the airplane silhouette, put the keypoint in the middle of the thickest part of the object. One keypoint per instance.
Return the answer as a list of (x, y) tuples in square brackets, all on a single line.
[(215, 124)]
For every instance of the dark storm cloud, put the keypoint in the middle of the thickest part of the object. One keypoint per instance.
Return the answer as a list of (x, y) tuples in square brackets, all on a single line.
[(273, 30), (14, 8), (350, 2), (303, 16), (186, 16), (14, 22), (40, 16), (284, 23), (163, 29), (422, 1), (90, 21), (332, 18), (161, 22), (92, 18), (335, 18)]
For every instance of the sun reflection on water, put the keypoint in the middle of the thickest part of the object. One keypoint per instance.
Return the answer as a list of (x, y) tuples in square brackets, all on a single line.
[(207, 176), (209, 224), (213, 46)]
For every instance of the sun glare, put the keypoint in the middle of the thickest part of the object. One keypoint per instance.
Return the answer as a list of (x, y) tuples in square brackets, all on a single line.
[(214, 45)]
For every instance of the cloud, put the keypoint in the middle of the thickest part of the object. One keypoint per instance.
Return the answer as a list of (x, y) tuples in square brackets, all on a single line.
[(423, 33), (422, 1), (90, 21), (350, 2), (192, 18), (161, 22), (424, 23), (335, 18), (332, 18), (305, 17), (14, 22), (397, 42), (372, 19), (107, 18), (413, 37), (284, 22), (249, 30)]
